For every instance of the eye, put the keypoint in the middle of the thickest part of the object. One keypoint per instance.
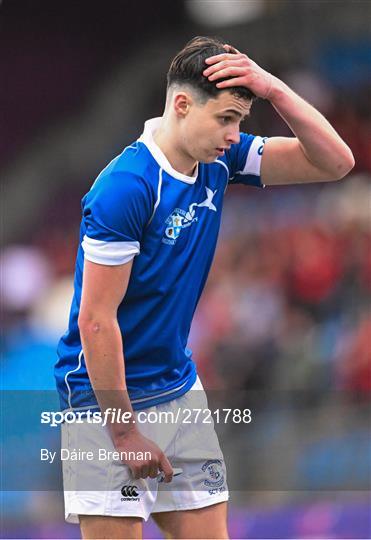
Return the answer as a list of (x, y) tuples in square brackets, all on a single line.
[(225, 119)]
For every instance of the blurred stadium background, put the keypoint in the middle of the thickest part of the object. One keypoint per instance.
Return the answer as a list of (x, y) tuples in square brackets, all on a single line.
[(286, 312)]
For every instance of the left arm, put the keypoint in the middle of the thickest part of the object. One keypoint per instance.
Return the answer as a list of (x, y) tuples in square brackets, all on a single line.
[(316, 154)]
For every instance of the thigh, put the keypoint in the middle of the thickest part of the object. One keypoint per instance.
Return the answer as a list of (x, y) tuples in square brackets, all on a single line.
[(110, 527), (208, 522), (196, 451)]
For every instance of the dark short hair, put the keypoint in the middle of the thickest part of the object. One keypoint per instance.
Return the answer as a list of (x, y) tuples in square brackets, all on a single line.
[(187, 67)]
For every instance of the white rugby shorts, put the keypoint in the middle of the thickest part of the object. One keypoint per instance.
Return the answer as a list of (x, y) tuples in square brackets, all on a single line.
[(105, 487)]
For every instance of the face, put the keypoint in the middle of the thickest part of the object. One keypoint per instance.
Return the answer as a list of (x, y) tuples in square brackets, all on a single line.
[(208, 129)]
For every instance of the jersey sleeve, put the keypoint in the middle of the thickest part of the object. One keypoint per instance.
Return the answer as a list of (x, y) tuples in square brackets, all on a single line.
[(244, 160), (115, 213)]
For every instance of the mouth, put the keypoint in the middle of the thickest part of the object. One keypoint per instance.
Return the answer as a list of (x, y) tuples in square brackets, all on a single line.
[(221, 150)]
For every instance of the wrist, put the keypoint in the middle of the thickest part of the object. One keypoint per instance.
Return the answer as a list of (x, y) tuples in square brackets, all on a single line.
[(120, 432), (276, 90)]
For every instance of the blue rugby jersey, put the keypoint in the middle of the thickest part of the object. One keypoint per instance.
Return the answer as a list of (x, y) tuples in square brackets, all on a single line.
[(140, 207)]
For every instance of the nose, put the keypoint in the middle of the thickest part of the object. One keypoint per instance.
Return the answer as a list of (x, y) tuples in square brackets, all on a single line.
[(233, 136)]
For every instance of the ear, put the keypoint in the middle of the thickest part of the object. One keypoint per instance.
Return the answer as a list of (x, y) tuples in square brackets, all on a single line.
[(182, 102)]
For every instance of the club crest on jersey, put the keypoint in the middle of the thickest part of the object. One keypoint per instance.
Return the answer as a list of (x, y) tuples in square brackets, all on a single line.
[(175, 223), (180, 219)]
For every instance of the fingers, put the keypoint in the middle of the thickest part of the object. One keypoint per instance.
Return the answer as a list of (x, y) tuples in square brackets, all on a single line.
[(140, 469), (166, 468), (238, 62), (153, 472), (228, 72), (135, 471), (151, 469), (231, 49), (223, 56), (154, 468), (234, 81), (144, 470)]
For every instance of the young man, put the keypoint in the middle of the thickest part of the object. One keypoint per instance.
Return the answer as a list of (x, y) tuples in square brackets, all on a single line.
[(148, 234)]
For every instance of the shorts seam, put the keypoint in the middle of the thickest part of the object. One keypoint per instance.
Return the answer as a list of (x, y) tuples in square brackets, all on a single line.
[(107, 505), (198, 504), (73, 517)]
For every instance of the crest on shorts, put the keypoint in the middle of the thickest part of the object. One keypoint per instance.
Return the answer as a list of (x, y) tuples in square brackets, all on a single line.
[(213, 469)]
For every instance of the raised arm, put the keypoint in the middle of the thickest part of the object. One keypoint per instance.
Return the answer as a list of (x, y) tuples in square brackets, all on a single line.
[(104, 288), (316, 153)]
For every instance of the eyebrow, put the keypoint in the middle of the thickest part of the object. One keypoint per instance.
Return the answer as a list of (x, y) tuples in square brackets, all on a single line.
[(237, 113)]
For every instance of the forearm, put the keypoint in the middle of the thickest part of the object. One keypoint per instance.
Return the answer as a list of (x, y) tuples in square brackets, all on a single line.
[(103, 351), (320, 143), (316, 154)]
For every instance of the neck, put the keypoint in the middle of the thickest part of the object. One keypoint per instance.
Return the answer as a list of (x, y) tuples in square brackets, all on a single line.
[(178, 159)]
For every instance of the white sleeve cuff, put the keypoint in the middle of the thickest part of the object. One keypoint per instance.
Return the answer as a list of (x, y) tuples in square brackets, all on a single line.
[(254, 157), (109, 253)]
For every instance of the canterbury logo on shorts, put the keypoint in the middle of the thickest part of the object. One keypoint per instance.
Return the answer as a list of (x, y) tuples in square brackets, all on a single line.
[(129, 493)]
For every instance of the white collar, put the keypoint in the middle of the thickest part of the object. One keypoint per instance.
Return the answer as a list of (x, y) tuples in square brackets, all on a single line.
[(150, 127)]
